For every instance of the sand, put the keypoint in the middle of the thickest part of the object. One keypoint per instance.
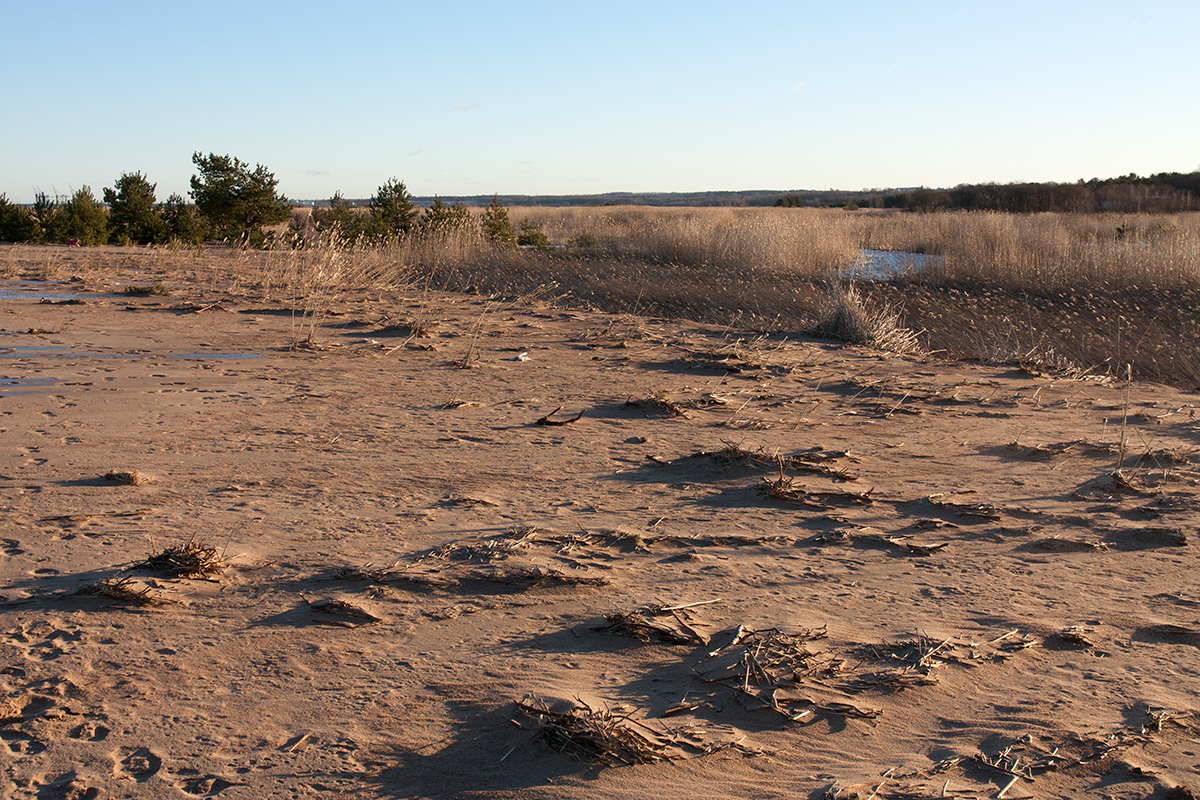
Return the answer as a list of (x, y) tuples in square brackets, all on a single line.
[(900, 577)]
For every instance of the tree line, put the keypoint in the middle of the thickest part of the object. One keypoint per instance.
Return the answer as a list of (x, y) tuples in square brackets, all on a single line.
[(1165, 192), (232, 202)]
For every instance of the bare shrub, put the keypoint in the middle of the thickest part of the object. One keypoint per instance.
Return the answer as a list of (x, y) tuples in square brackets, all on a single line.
[(848, 317)]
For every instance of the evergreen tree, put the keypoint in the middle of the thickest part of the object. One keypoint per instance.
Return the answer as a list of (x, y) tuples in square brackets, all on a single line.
[(340, 215), (16, 223), (183, 221), (236, 200), (43, 212), (442, 219), (393, 212), (131, 211), (82, 218), (496, 224)]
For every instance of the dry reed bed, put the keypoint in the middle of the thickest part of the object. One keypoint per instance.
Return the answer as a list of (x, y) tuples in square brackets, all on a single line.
[(1046, 252), (1051, 292)]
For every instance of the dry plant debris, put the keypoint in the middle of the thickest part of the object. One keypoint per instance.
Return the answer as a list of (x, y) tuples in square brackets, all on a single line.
[(981, 510), (600, 736), (137, 512), (191, 560), (658, 401), (1023, 760), (1059, 544), (405, 328), (816, 460), (785, 489), (1075, 636), (368, 573), (128, 478), (873, 538), (643, 624), (788, 674), (123, 589), (157, 289), (596, 736), (493, 549), (546, 420), (342, 608), (531, 577)]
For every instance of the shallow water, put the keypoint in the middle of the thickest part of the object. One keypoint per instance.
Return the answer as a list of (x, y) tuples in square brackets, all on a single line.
[(10, 387), (215, 356), (882, 265), (54, 351), (33, 290)]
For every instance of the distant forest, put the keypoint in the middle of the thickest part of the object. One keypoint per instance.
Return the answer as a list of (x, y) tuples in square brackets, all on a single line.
[(1164, 192)]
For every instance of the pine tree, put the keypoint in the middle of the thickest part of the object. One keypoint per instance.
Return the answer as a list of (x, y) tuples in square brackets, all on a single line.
[(393, 212), (131, 210), (496, 224), (235, 199)]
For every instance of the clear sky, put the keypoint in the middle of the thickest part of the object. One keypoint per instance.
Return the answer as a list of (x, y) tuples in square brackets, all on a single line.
[(590, 96)]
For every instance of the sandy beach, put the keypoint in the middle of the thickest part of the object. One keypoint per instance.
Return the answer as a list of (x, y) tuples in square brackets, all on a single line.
[(468, 547)]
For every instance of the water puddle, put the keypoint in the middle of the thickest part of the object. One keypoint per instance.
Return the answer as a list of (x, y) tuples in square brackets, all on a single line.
[(882, 265), (34, 290), (67, 352), (10, 387), (215, 356)]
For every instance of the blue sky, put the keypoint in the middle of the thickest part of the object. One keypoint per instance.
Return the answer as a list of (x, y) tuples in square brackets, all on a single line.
[(584, 97)]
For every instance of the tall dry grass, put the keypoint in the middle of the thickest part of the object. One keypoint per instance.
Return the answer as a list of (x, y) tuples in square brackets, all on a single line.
[(1098, 291), (774, 240), (1046, 252)]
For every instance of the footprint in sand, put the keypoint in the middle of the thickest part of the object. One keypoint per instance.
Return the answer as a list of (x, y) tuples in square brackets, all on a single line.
[(90, 732), (140, 764), (69, 786), (205, 786), (20, 744), (12, 547), (44, 640), (55, 645)]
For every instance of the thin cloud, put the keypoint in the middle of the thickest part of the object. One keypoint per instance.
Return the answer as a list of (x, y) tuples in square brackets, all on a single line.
[(465, 107), (316, 172), (737, 105), (797, 86), (416, 152)]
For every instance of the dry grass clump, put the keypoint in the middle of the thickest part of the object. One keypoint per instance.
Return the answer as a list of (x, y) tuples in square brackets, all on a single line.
[(536, 577), (594, 735), (659, 402), (158, 289), (192, 560), (847, 317), (495, 548), (129, 478), (816, 460), (123, 589), (329, 605)]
